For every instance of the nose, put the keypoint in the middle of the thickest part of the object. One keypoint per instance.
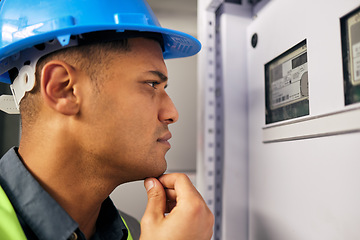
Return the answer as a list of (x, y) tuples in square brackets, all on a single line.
[(168, 113)]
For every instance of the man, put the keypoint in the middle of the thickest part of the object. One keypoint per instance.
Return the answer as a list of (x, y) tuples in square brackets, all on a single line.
[(95, 114)]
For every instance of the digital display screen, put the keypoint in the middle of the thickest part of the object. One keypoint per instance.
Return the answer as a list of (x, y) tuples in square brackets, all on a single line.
[(286, 85), (350, 37)]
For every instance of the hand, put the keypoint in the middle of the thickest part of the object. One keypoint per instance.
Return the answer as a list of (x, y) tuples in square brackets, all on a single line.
[(188, 216)]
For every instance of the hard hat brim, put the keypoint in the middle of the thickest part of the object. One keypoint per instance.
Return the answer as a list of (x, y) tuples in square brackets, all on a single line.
[(176, 44)]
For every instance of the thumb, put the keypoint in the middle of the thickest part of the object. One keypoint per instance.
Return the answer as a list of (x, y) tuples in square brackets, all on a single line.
[(156, 199)]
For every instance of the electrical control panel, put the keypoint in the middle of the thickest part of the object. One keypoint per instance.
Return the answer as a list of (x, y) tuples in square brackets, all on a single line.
[(286, 85)]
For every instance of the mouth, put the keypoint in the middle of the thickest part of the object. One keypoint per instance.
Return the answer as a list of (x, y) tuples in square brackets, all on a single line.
[(165, 139)]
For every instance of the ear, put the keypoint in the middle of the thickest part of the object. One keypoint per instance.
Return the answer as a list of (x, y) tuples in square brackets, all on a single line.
[(58, 82)]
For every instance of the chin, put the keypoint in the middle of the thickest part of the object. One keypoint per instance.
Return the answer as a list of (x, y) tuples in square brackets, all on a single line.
[(156, 172)]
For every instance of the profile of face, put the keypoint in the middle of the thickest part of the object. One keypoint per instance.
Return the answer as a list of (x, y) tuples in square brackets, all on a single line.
[(125, 123)]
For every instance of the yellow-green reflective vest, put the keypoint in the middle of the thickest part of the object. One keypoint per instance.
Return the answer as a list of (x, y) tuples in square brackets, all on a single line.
[(9, 224), (10, 228), (129, 234)]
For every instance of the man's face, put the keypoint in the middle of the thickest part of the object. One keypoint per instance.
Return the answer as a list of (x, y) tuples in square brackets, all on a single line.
[(126, 120)]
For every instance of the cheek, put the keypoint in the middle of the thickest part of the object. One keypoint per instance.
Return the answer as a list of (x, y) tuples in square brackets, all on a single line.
[(136, 122), (129, 119), (140, 111)]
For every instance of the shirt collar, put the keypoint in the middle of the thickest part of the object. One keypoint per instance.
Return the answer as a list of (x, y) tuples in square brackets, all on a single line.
[(109, 224), (40, 211)]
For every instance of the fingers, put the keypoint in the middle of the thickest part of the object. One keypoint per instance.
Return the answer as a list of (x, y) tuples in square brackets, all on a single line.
[(188, 218), (156, 205), (186, 203), (178, 185)]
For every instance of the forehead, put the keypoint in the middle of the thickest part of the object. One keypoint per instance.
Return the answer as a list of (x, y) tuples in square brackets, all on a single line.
[(144, 46), (144, 53)]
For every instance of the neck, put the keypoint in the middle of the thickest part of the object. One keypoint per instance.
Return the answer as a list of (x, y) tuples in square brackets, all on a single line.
[(70, 180)]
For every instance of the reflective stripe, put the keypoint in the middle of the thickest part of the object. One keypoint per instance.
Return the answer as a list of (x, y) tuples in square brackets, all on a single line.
[(9, 224), (129, 234)]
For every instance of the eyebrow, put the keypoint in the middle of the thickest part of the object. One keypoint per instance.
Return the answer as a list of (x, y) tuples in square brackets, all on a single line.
[(162, 76)]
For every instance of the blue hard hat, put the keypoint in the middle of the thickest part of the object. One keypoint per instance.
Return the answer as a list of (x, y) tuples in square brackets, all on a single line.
[(25, 24)]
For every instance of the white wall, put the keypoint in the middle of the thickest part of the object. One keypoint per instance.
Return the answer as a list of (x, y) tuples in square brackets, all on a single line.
[(306, 189)]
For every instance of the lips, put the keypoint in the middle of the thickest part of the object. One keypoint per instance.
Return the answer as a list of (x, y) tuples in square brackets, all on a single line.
[(165, 138)]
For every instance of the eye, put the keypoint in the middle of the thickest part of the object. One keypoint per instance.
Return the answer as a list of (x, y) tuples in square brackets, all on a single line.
[(153, 84)]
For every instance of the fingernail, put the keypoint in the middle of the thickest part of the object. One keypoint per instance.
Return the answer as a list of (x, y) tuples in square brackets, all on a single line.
[(149, 184)]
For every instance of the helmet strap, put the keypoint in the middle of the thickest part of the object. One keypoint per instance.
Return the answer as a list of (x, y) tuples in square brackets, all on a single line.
[(24, 82)]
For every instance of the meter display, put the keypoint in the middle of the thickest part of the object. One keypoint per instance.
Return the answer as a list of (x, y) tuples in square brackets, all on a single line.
[(286, 85), (350, 36)]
